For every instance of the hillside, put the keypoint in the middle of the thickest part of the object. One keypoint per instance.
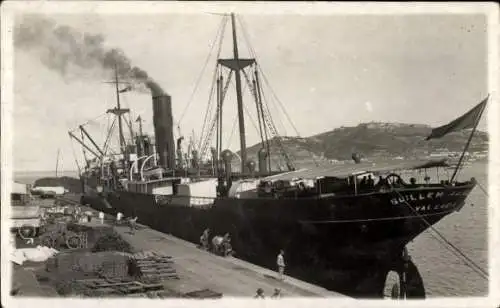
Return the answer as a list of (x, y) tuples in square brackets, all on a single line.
[(374, 140)]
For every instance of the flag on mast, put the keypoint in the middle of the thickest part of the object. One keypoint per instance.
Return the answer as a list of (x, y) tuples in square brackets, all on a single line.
[(468, 120)]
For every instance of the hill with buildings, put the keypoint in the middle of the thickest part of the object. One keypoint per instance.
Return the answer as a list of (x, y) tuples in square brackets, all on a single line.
[(374, 141)]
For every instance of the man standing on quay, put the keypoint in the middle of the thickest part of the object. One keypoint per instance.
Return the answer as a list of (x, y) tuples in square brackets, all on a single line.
[(281, 264)]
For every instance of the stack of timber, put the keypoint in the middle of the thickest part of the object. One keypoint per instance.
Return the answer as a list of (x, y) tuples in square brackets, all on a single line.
[(115, 286), (152, 267)]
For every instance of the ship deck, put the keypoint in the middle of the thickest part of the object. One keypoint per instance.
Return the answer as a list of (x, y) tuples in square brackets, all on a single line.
[(199, 269)]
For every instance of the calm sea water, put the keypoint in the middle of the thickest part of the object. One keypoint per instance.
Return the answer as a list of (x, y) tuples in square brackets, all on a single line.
[(443, 273)]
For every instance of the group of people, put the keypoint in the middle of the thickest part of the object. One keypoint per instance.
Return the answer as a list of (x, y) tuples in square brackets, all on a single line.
[(367, 183), (131, 221), (220, 244), (276, 294)]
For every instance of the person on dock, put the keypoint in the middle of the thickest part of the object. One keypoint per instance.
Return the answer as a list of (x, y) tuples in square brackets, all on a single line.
[(280, 261), (204, 239), (132, 224), (277, 293), (260, 293), (119, 217), (101, 217), (78, 214), (226, 244)]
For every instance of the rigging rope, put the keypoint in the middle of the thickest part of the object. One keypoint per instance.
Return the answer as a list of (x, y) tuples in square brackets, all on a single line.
[(482, 188), (220, 30), (253, 89), (211, 131), (74, 155), (267, 119), (209, 109), (110, 131), (273, 130), (474, 266), (89, 121), (251, 120), (254, 55), (229, 140)]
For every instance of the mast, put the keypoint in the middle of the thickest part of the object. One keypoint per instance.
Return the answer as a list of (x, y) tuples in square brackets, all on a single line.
[(118, 107), (57, 161), (466, 148), (118, 112), (241, 118)]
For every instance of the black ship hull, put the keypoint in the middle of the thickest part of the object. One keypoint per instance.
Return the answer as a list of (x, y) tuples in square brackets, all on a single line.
[(345, 243)]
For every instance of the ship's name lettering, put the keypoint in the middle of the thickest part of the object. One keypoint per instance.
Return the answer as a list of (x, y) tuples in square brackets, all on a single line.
[(403, 198), (408, 197), (433, 207)]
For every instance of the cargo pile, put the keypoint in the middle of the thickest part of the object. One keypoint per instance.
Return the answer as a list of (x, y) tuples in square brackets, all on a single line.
[(105, 264), (111, 242), (152, 267), (114, 286), (95, 261)]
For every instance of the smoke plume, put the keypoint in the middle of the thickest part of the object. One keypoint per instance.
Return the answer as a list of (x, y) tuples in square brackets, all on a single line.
[(61, 47)]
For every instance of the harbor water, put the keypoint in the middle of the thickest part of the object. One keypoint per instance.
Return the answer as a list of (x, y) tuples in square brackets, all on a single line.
[(444, 274)]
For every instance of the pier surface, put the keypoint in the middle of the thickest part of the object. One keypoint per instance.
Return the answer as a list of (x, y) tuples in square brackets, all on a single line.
[(199, 269)]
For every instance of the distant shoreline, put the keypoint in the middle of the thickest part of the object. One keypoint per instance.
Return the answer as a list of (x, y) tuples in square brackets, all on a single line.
[(44, 171)]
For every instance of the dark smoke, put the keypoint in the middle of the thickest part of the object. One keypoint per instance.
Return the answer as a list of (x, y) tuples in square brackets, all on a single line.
[(60, 47)]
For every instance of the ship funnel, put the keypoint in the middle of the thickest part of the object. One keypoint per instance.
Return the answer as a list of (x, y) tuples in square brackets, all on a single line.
[(164, 135), (262, 160)]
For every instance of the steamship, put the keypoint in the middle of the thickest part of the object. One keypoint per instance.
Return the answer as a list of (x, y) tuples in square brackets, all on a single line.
[(341, 226)]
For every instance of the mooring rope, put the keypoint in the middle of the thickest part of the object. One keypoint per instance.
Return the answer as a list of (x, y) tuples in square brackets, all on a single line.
[(474, 266), (482, 188)]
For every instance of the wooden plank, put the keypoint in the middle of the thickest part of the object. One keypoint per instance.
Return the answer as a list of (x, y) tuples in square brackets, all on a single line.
[(156, 265), (119, 284), (160, 275), (162, 270), (150, 286), (142, 264), (130, 289), (164, 276)]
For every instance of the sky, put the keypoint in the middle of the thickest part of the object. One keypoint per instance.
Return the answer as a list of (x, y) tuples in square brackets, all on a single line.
[(327, 71)]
